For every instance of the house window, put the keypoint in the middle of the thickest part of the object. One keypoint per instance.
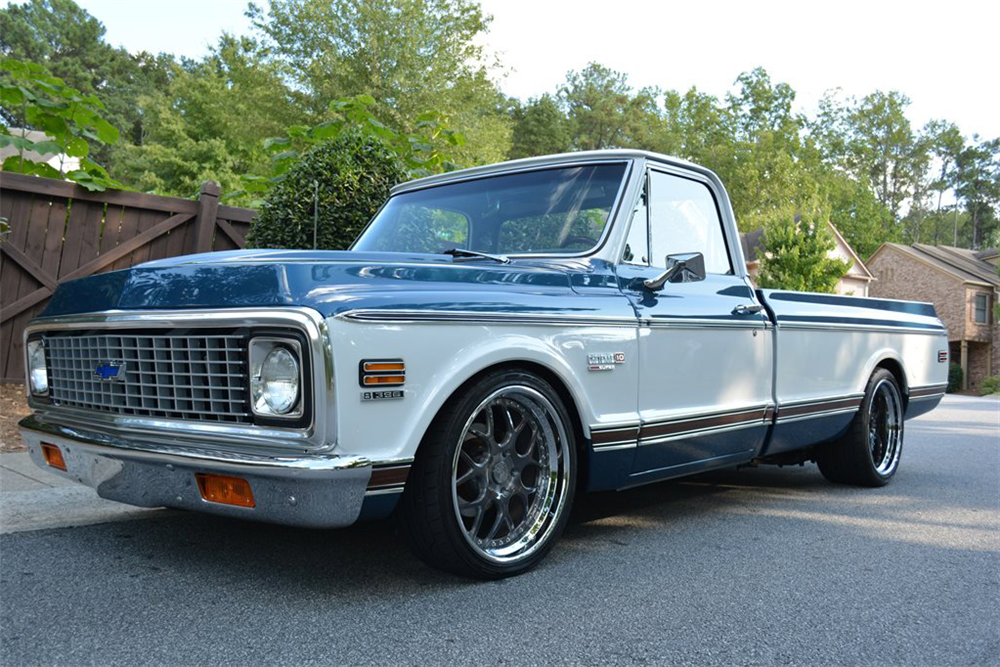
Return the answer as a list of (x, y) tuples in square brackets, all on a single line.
[(981, 309)]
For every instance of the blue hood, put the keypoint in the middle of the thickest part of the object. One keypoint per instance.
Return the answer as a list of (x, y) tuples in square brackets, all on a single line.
[(332, 282)]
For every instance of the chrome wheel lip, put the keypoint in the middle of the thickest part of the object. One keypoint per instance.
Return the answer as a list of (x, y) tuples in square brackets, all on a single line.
[(552, 503), (885, 430)]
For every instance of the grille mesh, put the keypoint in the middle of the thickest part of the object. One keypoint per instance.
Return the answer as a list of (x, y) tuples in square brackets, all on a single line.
[(196, 376)]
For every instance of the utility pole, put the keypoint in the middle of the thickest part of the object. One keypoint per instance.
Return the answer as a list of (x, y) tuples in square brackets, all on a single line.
[(955, 240)]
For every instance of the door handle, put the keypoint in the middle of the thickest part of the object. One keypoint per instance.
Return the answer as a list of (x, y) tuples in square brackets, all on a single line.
[(747, 310)]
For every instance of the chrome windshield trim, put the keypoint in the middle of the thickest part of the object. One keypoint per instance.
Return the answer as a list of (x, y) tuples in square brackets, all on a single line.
[(472, 317), (316, 437)]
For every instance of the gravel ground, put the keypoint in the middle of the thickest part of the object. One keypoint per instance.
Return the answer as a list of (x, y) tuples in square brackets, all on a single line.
[(13, 407), (761, 566)]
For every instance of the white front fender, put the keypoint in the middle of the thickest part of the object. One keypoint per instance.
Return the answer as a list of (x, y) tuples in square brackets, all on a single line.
[(440, 357)]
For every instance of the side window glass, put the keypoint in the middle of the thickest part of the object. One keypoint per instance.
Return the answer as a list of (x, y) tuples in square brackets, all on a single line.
[(683, 218), (637, 243)]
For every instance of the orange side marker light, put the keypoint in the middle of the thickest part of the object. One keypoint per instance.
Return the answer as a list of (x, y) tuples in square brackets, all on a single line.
[(225, 490), (53, 456)]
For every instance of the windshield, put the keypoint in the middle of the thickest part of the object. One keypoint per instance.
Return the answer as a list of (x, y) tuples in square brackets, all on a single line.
[(559, 210)]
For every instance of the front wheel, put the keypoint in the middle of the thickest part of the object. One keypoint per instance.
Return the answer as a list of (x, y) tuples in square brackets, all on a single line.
[(869, 453), (493, 482)]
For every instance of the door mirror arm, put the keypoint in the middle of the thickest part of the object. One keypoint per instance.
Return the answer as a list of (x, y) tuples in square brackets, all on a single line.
[(683, 268)]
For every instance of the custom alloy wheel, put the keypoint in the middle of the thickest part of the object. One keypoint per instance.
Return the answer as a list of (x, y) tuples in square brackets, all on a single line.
[(508, 477), (869, 453), (885, 427), (492, 485)]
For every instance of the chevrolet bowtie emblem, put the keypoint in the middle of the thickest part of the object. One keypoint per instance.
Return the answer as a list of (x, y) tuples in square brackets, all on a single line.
[(112, 371)]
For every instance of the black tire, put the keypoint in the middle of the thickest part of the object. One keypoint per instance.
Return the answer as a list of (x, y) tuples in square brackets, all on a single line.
[(445, 518), (869, 453)]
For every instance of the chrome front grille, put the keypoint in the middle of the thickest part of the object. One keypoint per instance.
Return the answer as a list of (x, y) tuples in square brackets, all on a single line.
[(194, 375)]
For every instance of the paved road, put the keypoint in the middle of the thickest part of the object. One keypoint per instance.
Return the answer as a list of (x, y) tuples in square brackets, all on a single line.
[(760, 566)]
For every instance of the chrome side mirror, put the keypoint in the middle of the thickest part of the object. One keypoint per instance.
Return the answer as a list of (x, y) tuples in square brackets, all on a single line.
[(688, 267)]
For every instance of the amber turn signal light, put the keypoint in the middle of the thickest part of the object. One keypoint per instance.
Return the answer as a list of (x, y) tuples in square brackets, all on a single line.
[(381, 372), (384, 367), (225, 490), (371, 380), (53, 456)]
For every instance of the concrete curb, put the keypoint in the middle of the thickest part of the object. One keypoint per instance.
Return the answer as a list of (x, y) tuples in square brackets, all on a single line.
[(63, 507), (34, 499)]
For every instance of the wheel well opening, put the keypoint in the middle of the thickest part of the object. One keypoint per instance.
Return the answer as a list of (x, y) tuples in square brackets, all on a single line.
[(896, 369), (583, 461)]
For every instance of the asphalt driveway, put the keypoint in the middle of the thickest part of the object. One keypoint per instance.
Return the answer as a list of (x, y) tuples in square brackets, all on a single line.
[(757, 566)]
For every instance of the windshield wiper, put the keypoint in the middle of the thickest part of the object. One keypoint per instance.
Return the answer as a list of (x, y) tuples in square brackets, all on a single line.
[(462, 252)]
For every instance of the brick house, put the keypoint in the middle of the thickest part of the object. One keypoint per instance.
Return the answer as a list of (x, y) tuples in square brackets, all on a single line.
[(962, 284), (858, 277)]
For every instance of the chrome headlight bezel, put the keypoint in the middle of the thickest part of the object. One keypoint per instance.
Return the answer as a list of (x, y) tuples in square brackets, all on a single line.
[(35, 351), (259, 350)]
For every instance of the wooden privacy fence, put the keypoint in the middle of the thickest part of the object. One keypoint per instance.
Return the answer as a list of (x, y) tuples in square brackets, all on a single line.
[(60, 231)]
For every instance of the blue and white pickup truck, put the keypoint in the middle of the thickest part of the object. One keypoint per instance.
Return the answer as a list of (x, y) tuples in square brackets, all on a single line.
[(496, 341)]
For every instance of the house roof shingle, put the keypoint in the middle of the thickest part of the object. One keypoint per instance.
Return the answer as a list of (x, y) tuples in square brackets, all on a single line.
[(958, 262)]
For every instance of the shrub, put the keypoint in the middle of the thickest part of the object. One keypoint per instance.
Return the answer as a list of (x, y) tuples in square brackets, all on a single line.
[(354, 173), (990, 385), (954, 378)]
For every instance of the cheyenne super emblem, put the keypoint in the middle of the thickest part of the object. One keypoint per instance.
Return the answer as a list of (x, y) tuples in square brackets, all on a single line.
[(604, 361)]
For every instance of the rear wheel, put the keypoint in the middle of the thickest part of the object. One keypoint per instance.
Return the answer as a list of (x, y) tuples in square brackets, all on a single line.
[(493, 482), (869, 453)]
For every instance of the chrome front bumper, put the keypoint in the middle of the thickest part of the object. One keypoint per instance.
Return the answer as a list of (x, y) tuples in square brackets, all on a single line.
[(309, 491)]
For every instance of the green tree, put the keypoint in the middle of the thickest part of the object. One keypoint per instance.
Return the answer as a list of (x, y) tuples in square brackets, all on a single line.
[(328, 195), (540, 128), (421, 153), (411, 56), (795, 254), (70, 44), (62, 37), (857, 213), (696, 127), (882, 147), (946, 144), (977, 184), (761, 108), (209, 122), (70, 121), (768, 168), (603, 110)]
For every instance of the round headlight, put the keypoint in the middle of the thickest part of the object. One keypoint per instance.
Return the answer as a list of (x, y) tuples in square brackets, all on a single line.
[(279, 380), (38, 375)]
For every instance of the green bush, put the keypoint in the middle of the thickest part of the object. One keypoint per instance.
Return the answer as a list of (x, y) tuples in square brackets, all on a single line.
[(990, 385), (354, 173), (954, 378)]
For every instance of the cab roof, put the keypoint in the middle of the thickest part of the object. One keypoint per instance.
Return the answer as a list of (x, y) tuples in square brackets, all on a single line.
[(544, 161)]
